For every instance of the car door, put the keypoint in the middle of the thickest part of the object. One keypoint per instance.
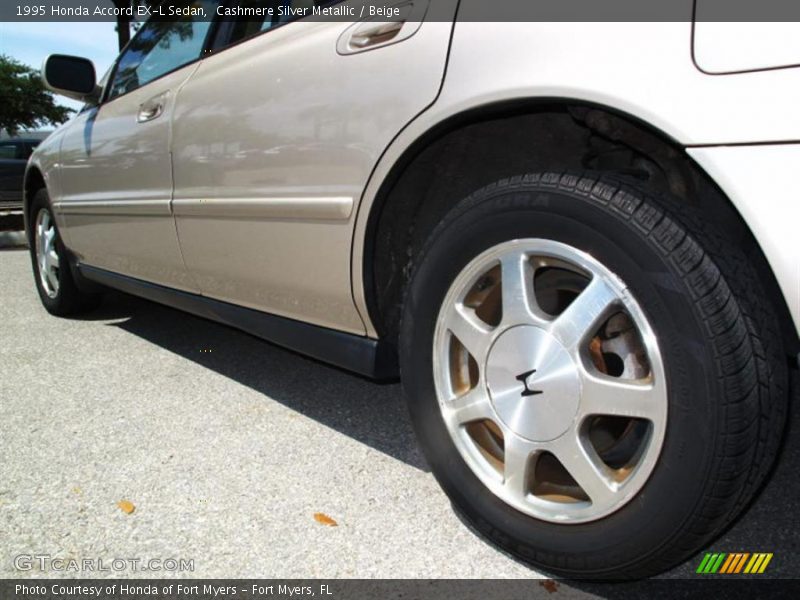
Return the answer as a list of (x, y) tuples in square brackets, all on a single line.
[(116, 176), (274, 141)]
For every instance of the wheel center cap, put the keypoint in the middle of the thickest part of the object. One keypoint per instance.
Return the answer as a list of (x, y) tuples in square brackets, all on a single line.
[(533, 383)]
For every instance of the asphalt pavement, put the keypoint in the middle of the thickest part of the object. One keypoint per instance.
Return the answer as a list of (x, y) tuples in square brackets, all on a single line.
[(140, 432)]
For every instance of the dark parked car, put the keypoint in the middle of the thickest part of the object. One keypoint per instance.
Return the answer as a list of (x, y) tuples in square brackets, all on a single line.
[(14, 154)]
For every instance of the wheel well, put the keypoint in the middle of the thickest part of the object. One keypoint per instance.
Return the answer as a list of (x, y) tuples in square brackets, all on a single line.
[(483, 146)]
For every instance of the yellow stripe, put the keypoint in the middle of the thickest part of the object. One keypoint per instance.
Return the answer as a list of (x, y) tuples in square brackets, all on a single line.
[(726, 564), (757, 564), (765, 563), (751, 563), (741, 562)]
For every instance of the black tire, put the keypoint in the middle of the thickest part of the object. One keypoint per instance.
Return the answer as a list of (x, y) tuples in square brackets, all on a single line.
[(723, 356), (69, 299)]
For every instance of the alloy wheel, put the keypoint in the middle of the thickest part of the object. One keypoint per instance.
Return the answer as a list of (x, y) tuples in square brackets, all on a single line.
[(550, 380), (46, 253)]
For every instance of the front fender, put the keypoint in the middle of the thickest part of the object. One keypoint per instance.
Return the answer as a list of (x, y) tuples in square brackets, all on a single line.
[(42, 171)]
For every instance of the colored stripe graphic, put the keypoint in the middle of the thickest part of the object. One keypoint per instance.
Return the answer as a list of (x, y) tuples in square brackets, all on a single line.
[(728, 562), (751, 564), (740, 564), (765, 563), (735, 559), (718, 563), (734, 563), (711, 563), (759, 562), (703, 563)]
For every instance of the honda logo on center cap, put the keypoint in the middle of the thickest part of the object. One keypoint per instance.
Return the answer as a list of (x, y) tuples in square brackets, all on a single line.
[(523, 377)]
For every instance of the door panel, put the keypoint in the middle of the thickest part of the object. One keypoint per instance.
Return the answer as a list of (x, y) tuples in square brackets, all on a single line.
[(274, 141), (117, 186)]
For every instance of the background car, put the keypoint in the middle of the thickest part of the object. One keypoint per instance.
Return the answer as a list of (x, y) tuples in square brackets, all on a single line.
[(14, 155)]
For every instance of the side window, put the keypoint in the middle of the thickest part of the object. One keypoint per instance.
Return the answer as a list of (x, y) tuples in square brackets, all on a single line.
[(9, 150), (161, 47)]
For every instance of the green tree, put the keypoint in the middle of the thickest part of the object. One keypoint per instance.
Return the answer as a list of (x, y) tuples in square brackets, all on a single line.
[(24, 102)]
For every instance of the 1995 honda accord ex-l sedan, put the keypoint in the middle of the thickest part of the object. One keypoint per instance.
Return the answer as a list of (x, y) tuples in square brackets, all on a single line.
[(576, 243)]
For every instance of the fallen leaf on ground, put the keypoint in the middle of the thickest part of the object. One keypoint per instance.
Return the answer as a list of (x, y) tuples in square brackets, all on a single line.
[(126, 507), (550, 585), (325, 520)]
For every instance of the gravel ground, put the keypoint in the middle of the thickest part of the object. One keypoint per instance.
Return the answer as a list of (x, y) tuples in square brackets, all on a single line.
[(227, 446)]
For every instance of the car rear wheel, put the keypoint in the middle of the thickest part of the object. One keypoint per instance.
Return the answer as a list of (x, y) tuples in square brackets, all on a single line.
[(589, 391), (550, 380), (54, 278)]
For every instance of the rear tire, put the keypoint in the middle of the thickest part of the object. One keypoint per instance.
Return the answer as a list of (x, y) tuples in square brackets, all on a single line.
[(714, 333), (52, 270)]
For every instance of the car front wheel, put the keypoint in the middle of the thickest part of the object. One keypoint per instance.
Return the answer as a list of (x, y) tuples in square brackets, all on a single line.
[(55, 282)]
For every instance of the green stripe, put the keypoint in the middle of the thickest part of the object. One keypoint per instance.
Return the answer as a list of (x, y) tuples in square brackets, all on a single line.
[(718, 564), (701, 568), (711, 562)]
